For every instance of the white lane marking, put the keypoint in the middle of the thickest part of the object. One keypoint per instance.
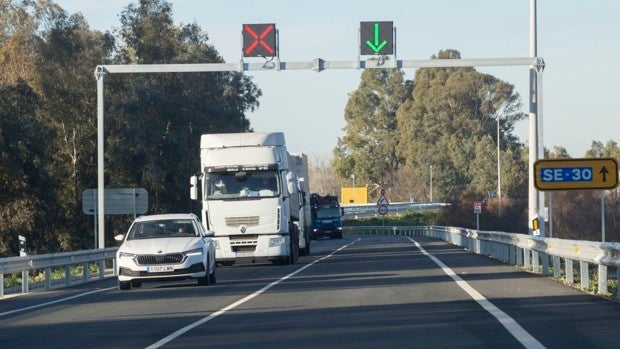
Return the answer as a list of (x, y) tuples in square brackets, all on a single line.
[(185, 329), (56, 301), (509, 323)]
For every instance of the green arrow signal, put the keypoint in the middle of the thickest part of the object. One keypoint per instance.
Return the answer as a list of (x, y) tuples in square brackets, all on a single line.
[(376, 46)]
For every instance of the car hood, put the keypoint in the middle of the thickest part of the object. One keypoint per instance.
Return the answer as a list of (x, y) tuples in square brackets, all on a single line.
[(162, 245)]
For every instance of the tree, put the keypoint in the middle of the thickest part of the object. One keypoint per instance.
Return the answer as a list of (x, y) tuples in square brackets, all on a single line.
[(323, 180), (153, 123), (451, 112), (71, 51), (27, 201), (153, 134), (367, 149), (575, 213), (17, 41)]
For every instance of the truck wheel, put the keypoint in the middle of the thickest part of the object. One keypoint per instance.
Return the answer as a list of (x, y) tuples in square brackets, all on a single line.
[(306, 250)]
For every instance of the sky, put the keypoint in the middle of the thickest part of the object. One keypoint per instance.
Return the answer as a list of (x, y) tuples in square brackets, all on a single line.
[(578, 40)]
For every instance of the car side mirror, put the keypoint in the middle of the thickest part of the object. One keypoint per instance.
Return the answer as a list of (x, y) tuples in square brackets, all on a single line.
[(209, 233), (119, 237)]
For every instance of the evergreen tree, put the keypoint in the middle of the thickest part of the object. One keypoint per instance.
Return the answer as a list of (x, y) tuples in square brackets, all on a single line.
[(368, 148), (451, 112), (156, 120), (27, 200)]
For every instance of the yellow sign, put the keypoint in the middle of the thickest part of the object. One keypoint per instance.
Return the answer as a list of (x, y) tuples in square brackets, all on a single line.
[(563, 174), (354, 195)]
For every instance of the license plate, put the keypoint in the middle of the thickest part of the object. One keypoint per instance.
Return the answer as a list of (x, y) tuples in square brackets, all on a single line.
[(159, 268)]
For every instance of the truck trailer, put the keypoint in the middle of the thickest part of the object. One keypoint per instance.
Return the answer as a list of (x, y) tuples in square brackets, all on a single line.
[(253, 196)]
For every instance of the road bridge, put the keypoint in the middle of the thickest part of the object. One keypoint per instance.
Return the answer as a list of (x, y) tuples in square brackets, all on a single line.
[(358, 292)]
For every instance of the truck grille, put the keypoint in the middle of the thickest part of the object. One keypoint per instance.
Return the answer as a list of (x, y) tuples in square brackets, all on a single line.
[(246, 240), (248, 221), (172, 258)]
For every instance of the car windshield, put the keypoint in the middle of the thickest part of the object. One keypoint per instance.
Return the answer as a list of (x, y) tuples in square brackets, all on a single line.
[(241, 184), (168, 228)]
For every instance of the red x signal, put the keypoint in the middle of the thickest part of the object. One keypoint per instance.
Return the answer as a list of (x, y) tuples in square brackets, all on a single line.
[(263, 44)]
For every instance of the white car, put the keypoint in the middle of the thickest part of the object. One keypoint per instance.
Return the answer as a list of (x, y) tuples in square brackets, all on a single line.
[(165, 247)]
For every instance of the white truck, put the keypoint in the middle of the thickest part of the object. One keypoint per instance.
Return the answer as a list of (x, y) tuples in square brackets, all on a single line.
[(251, 198)]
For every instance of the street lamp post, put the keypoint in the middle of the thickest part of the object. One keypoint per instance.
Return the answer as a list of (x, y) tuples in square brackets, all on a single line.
[(499, 175), (431, 185)]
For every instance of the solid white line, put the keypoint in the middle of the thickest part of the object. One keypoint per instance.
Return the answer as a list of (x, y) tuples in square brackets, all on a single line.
[(191, 326), (509, 323), (56, 301)]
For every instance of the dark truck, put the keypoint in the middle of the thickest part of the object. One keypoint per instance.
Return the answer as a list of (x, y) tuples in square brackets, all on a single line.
[(326, 216)]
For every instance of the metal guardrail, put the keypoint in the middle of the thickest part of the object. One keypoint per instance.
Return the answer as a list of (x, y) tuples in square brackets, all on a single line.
[(363, 210), (531, 252), (47, 262)]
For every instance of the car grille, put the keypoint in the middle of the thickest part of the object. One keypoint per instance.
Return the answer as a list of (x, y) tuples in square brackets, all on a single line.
[(171, 258)]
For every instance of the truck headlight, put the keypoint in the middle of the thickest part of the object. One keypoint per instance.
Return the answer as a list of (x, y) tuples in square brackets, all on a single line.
[(273, 242)]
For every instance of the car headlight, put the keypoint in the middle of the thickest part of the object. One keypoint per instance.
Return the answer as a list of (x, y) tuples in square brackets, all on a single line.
[(126, 255), (194, 252), (276, 242)]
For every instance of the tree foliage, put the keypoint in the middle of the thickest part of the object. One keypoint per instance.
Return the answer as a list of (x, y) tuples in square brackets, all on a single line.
[(368, 148), (396, 129), (450, 124), (153, 122), (27, 201)]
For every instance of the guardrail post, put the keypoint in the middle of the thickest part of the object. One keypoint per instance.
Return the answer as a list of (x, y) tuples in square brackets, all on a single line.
[(114, 267), (556, 267), (526, 259), (618, 283), (48, 278), (25, 281), (1, 286), (535, 261), (545, 263), (584, 275), (67, 275), (102, 268), (519, 252), (602, 279), (85, 271), (569, 271)]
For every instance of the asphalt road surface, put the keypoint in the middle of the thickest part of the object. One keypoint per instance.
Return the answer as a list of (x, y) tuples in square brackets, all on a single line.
[(358, 292)]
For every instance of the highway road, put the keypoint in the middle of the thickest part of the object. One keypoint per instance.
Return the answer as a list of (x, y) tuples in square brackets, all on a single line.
[(358, 292)]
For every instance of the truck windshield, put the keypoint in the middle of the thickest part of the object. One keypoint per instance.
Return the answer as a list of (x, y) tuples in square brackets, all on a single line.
[(242, 184), (327, 212)]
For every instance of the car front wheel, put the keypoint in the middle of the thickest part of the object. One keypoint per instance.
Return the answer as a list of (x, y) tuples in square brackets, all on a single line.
[(212, 277), (124, 285)]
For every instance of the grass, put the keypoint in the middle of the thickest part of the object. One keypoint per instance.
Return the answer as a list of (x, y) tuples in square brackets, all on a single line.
[(38, 276)]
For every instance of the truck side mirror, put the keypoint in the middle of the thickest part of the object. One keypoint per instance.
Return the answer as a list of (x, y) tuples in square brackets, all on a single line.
[(291, 183), (193, 189)]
